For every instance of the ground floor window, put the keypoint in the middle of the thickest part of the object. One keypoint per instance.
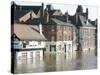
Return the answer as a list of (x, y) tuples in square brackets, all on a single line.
[(59, 47)]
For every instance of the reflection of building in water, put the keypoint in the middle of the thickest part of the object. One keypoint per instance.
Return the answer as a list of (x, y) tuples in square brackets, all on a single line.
[(28, 56), (50, 62)]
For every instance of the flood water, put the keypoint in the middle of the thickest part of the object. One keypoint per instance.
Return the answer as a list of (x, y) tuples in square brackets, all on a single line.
[(76, 60)]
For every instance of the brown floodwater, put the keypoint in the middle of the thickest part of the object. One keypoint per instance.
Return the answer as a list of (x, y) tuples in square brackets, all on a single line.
[(76, 60)]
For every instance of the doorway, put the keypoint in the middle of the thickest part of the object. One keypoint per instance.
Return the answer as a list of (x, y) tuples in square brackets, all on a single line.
[(52, 48)]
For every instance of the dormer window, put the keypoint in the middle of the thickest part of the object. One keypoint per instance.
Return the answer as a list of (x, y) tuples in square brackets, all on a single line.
[(85, 22)]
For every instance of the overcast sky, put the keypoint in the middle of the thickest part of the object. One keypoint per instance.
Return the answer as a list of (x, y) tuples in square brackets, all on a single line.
[(66, 7)]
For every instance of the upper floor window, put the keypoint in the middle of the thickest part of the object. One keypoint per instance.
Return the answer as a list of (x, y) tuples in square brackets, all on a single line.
[(39, 43), (60, 38), (52, 28), (65, 28), (65, 38), (52, 38)]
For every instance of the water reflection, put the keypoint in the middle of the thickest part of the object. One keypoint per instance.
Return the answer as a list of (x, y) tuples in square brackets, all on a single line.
[(78, 64), (50, 62), (76, 60)]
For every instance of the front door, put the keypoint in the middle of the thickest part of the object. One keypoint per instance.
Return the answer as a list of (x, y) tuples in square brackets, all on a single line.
[(52, 47), (24, 45), (65, 47)]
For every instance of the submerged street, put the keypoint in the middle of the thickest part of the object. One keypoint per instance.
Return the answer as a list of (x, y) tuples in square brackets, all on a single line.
[(76, 60)]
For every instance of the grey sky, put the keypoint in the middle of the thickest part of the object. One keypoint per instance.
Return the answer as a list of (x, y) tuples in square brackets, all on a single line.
[(66, 7)]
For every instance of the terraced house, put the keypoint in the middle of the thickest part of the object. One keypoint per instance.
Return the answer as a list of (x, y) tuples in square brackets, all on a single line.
[(86, 31), (59, 31)]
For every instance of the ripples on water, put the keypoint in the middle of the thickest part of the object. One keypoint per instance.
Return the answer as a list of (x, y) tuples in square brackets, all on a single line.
[(76, 60)]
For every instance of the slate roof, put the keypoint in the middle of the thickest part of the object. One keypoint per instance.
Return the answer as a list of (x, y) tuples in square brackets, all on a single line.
[(33, 21), (59, 22), (83, 21), (62, 18), (51, 12)]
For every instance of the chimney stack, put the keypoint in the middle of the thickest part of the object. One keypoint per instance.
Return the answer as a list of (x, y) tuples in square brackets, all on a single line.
[(66, 14), (42, 10), (87, 16), (79, 9), (86, 13), (48, 8), (47, 17)]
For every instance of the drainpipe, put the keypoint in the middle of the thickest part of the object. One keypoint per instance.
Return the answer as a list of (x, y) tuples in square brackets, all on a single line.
[(40, 28), (86, 16), (79, 48)]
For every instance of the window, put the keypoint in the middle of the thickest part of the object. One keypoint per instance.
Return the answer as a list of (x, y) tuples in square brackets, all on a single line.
[(69, 37), (65, 37), (65, 28), (53, 28), (59, 47), (39, 43), (27, 42), (52, 38), (59, 37)]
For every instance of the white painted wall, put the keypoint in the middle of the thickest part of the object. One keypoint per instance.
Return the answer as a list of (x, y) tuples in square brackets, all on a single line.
[(36, 44), (88, 38), (59, 43), (32, 44)]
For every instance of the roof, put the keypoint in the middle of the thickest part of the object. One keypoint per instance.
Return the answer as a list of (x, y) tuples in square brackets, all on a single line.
[(33, 21), (57, 12), (27, 32), (60, 17), (83, 21), (22, 10), (51, 12), (59, 22)]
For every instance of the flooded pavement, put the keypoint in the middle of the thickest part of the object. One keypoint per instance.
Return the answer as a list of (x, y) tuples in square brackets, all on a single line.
[(76, 60)]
